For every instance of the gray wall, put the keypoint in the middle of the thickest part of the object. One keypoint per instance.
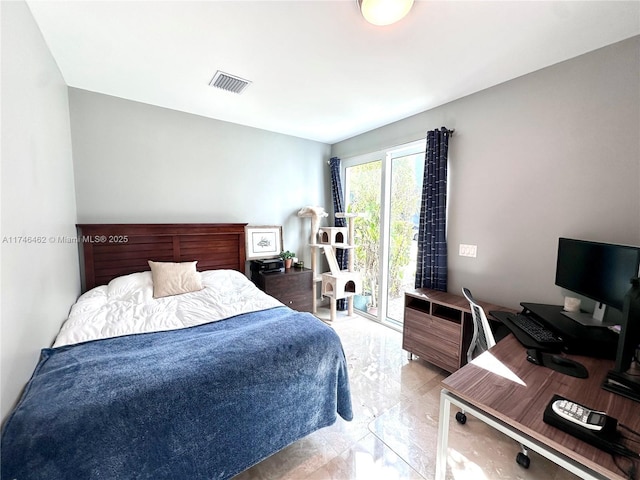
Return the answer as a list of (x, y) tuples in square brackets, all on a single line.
[(553, 153), (139, 163), (39, 281)]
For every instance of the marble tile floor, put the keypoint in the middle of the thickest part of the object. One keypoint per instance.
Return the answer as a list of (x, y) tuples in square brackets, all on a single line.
[(393, 434)]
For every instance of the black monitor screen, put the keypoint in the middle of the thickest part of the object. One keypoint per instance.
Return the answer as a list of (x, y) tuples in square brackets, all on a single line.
[(599, 271)]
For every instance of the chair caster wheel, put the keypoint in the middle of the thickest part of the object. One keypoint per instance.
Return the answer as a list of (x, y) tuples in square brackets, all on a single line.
[(523, 460), (461, 418)]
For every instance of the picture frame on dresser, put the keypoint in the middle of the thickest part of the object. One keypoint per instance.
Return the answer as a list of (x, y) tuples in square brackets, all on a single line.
[(263, 241)]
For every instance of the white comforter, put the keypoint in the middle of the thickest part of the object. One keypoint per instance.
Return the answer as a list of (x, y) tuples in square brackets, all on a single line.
[(126, 306)]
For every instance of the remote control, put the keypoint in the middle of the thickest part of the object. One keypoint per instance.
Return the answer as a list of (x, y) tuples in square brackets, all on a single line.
[(579, 414)]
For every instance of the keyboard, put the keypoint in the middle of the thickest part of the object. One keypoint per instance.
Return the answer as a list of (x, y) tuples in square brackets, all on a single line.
[(534, 329)]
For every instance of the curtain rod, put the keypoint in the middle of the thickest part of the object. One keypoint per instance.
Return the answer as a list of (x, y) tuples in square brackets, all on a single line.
[(449, 131)]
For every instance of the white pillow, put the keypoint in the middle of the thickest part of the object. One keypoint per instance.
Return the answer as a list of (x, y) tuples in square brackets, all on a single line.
[(174, 278)]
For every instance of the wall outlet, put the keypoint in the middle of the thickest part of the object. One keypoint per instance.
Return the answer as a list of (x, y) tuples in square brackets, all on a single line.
[(468, 250)]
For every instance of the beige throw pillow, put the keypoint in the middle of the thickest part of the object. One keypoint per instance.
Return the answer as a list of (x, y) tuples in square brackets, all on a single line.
[(174, 278)]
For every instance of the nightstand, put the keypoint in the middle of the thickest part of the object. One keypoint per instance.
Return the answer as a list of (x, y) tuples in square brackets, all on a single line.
[(293, 287)]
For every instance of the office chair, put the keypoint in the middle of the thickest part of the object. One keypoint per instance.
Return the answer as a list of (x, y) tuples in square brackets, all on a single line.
[(483, 339)]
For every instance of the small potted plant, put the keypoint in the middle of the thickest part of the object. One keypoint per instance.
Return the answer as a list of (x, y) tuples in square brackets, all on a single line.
[(287, 256)]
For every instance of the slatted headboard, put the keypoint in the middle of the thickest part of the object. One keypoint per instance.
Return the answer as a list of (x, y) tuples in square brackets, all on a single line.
[(111, 250)]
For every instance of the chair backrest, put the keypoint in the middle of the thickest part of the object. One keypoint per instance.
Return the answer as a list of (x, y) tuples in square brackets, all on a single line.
[(482, 336)]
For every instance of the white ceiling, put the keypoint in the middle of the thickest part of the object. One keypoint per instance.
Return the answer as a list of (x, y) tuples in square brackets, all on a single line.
[(319, 71)]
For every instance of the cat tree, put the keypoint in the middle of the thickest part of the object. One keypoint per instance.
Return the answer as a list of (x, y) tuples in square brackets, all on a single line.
[(336, 284)]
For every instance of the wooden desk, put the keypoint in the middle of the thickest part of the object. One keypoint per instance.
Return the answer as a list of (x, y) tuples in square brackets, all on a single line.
[(514, 404)]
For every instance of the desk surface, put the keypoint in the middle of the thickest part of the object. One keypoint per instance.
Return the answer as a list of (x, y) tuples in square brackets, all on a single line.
[(519, 396)]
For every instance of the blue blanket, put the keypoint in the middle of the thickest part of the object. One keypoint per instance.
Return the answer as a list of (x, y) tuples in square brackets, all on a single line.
[(200, 403)]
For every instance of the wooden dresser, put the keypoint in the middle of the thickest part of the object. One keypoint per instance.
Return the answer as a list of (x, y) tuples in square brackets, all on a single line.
[(293, 287), (438, 327)]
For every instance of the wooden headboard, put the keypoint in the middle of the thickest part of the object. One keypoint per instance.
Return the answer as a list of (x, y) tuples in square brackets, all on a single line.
[(111, 250)]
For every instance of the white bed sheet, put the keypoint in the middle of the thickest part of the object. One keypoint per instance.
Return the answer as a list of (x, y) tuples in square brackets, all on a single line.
[(126, 306)]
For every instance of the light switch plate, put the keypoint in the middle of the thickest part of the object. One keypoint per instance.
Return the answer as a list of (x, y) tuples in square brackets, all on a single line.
[(468, 250)]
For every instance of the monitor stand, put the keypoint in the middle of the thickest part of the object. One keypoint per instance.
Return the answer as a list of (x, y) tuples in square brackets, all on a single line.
[(625, 384)]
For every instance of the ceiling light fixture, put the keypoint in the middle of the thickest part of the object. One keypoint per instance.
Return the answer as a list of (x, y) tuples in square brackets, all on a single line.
[(384, 12)]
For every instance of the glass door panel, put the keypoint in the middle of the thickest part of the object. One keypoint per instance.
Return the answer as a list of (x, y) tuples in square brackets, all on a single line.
[(404, 210), (362, 195)]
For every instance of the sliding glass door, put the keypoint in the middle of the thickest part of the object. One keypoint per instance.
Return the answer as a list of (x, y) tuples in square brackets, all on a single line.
[(385, 189)]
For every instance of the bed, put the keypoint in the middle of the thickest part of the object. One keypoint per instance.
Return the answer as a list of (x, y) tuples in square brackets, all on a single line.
[(205, 383)]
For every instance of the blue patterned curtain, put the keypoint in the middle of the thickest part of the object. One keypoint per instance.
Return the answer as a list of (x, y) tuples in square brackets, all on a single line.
[(338, 206), (431, 271)]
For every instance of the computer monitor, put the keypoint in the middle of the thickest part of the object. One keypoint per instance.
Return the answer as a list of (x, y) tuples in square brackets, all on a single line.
[(599, 271)]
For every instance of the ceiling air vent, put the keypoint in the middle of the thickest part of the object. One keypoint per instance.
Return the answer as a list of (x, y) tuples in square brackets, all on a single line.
[(230, 83)]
